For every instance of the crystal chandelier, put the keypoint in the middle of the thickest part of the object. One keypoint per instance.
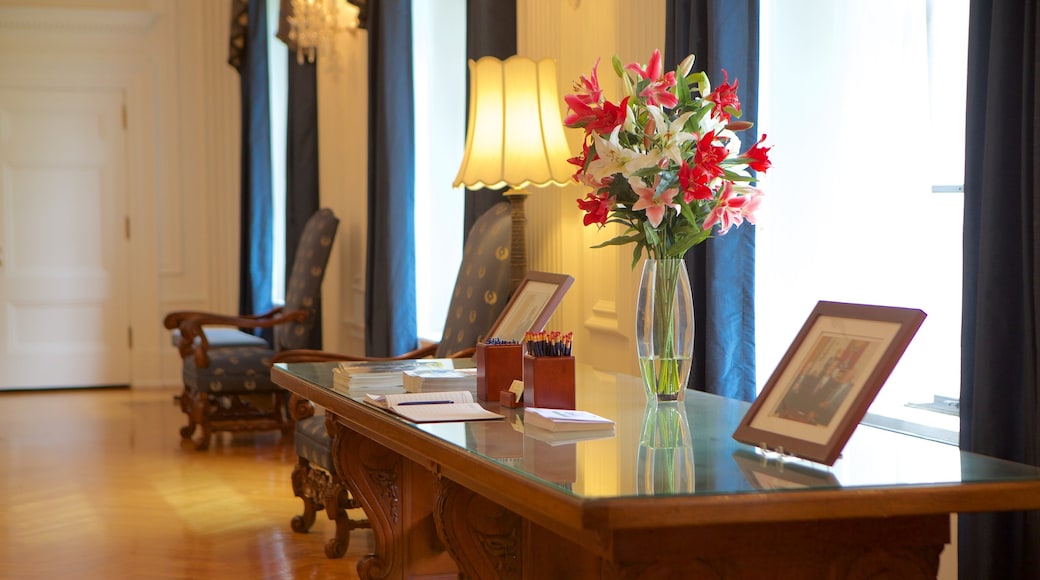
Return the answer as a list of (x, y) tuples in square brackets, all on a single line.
[(314, 24)]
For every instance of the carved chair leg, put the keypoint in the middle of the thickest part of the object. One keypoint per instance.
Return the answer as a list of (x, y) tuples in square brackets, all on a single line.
[(281, 404), (200, 415), (303, 490), (185, 400)]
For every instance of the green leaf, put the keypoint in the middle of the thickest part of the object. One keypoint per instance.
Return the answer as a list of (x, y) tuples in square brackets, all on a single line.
[(637, 253), (618, 241), (617, 66), (688, 242), (730, 175)]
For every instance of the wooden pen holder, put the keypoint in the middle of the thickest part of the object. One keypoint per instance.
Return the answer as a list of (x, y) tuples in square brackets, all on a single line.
[(498, 365), (549, 381)]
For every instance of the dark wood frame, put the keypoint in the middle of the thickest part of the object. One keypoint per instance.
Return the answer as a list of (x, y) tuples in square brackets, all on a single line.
[(783, 417), (506, 328)]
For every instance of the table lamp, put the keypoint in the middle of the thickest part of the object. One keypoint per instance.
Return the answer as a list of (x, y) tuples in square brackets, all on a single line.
[(514, 138)]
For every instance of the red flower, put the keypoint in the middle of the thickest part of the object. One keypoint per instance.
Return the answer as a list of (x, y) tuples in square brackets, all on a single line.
[(725, 99), (588, 88), (759, 156), (692, 184), (656, 93), (608, 117), (580, 160), (596, 208), (584, 101)]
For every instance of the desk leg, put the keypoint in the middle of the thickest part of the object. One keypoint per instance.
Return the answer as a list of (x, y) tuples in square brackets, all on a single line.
[(481, 536), (397, 496)]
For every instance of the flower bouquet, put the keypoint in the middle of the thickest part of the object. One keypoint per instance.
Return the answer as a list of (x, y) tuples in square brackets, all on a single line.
[(665, 163)]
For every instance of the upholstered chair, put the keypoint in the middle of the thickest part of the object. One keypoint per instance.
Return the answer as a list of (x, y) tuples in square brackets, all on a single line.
[(481, 291), (227, 380)]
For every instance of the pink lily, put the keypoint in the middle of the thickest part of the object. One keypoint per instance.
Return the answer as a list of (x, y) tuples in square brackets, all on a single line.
[(733, 208), (649, 200), (656, 93)]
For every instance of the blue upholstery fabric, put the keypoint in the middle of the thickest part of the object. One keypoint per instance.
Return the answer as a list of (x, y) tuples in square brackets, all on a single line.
[(313, 444), (482, 285), (303, 287), (223, 337), (231, 369)]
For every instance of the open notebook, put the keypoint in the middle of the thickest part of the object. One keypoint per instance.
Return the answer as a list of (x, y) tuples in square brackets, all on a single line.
[(429, 407)]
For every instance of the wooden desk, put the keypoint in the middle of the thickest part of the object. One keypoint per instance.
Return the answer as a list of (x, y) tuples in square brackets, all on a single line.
[(504, 504)]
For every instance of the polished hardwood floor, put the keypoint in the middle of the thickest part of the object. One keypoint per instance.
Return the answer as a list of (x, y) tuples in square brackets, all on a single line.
[(96, 484)]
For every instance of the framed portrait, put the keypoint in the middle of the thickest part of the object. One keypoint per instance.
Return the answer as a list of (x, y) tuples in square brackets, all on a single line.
[(530, 307), (828, 378)]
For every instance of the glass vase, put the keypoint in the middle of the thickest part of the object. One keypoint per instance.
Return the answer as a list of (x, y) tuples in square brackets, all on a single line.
[(665, 462), (664, 329)]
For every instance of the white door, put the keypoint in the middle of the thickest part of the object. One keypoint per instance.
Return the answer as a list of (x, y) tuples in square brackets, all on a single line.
[(64, 311)]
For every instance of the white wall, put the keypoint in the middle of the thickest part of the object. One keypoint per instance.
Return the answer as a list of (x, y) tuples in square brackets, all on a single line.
[(169, 59)]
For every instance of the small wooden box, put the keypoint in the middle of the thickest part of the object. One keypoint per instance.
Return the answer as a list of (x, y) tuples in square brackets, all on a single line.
[(498, 365), (549, 382)]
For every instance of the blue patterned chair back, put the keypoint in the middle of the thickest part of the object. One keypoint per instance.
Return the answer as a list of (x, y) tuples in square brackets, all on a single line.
[(482, 286), (303, 288)]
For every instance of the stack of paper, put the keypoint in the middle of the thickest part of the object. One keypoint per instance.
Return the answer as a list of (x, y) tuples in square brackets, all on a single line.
[(379, 375), (433, 406), (565, 420), (423, 380)]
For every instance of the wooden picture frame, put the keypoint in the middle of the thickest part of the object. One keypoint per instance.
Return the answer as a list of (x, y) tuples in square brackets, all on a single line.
[(530, 307), (828, 378)]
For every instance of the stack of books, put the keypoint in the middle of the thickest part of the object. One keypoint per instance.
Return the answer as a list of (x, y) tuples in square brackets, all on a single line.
[(365, 376), (436, 379), (561, 426)]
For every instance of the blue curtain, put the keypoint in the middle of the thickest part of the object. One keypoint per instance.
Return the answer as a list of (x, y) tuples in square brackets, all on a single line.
[(490, 31), (723, 34), (302, 197), (249, 56), (1000, 392), (390, 311)]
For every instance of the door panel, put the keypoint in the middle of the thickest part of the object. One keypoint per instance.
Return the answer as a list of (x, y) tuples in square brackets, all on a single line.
[(64, 312)]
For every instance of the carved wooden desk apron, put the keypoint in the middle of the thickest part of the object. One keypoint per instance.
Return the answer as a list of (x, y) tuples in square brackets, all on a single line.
[(667, 492)]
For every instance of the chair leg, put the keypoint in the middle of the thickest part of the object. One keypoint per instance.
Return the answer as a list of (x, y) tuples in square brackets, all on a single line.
[(303, 488), (188, 431), (196, 407), (281, 403)]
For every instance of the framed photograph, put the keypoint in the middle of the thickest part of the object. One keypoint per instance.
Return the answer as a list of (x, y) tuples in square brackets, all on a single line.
[(828, 378), (530, 307)]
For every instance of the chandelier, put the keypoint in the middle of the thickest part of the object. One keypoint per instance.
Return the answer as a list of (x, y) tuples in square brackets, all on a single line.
[(314, 24)]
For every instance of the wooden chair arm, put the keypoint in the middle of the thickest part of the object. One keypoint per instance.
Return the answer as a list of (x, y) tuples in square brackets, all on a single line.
[(173, 319), (192, 329), (300, 408), (309, 355)]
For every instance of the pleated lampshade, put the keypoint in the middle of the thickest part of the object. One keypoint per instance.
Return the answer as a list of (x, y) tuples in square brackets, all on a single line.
[(515, 134)]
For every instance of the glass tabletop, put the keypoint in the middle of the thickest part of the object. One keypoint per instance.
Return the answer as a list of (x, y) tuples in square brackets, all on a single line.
[(685, 449)]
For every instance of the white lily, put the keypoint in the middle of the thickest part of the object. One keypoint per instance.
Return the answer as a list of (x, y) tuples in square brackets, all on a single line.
[(613, 158), (670, 135)]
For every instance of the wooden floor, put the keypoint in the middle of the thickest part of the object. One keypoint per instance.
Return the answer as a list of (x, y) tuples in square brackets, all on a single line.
[(96, 484)]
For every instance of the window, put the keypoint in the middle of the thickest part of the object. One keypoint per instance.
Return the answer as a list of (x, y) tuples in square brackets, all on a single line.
[(864, 104), (439, 76), (278, 89)]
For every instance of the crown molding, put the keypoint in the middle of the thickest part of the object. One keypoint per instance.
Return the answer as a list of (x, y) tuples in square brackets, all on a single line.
[(51, 19)]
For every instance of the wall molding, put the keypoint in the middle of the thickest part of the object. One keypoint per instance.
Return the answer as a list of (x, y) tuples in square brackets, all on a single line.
[(66, 19)]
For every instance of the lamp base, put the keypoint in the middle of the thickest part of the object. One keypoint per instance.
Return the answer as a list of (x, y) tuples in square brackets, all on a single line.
[(518, 241)]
